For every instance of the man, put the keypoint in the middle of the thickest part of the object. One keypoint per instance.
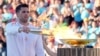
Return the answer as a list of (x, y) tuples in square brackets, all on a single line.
[(97, 45), (20, 41)]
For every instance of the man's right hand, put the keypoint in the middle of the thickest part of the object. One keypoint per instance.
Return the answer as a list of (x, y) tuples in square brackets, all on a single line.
[(24, 29)]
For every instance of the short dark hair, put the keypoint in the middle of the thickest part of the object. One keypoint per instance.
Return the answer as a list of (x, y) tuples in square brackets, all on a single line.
[(18, 8)]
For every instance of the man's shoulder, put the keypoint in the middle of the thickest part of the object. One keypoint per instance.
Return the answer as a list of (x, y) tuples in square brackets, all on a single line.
[(10, 24)]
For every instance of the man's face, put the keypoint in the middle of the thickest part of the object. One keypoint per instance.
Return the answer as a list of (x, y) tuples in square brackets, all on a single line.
[(57, 1), (67, 4), (23, 14), (85, 1), (41, 4)]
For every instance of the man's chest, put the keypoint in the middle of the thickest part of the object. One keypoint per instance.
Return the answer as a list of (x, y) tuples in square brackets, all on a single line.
[(28, 38)]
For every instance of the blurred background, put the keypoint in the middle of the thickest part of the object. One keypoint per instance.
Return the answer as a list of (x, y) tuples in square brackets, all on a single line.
[(58, 19)]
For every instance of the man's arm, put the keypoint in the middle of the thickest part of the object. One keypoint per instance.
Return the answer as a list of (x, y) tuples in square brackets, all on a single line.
[(39, 46), (11, 29)]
